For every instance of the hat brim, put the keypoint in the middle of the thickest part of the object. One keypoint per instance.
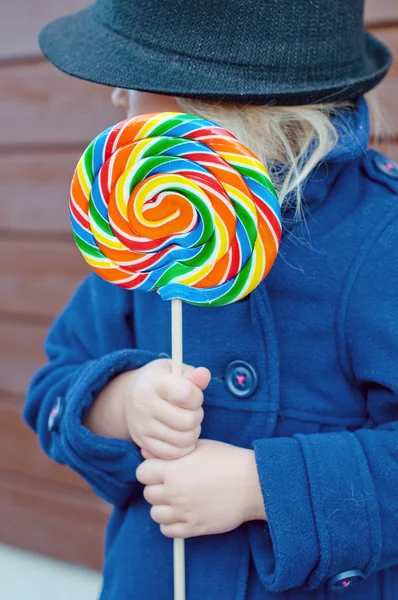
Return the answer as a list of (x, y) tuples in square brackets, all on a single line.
[(82, 47)]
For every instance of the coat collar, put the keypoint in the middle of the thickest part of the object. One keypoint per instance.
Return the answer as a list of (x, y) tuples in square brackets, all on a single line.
[(353, 129)]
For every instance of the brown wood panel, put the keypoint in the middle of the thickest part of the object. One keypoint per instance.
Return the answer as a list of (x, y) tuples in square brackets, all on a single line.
[(386, 93), (50, 520), (34, 188), (389, 149), (381, 11), (21, 21), (52, 108), (50, 105), (38, 277), (18, 37), (21, 354), (20, 452), (41, 105)]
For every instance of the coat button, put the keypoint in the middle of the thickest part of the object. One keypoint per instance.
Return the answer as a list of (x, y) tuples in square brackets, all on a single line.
[(345, 580), (241, 379), (386, 166), (55, 415)]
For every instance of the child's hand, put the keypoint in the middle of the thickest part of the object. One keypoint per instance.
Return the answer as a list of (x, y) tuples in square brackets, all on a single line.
[(212, 490), (164, 411), (160, 412)]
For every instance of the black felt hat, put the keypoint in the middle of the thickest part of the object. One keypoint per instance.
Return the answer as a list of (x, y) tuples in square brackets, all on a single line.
[(281, 52)]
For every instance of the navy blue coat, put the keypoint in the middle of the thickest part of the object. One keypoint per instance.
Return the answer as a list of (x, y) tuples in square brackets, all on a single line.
[(321, 334)]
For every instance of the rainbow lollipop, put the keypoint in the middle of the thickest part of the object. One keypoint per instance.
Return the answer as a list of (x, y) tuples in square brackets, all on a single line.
[(173, 203)]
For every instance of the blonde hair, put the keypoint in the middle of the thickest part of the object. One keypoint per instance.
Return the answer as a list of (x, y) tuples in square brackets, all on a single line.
[(289, 140)]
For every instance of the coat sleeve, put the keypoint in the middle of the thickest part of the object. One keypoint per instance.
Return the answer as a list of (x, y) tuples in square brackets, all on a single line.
[(331, 499), (90, 343)]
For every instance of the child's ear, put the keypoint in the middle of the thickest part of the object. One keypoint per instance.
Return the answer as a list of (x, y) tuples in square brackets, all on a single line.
[(120, 98)]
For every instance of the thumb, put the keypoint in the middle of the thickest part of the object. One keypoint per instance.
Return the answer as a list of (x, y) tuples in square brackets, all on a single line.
[(146, 454), (200, 377)]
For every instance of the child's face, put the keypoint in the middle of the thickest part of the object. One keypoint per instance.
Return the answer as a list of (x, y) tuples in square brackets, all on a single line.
[(138, 103)]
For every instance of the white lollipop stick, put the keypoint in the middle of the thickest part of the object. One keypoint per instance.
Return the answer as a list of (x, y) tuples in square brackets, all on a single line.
[(176, 355)]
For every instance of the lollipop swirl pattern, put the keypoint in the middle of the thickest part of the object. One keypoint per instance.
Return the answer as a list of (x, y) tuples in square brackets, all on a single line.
[(174, 203)]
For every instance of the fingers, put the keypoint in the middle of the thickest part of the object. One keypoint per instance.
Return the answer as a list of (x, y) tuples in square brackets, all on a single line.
[(176, 417), (165, 451), (175, 530), (151, 472), (179, 391), (165, 413), (167, 443), (147, 455), (187, 370), (200, 377), (181, 439), (165, 364), (155, 495), (161, 512), (164, 515)]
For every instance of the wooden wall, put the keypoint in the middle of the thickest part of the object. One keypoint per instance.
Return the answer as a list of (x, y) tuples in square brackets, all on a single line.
[(46, 120)]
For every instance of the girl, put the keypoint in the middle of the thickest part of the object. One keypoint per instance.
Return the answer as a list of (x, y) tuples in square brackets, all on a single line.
[(278, 459)]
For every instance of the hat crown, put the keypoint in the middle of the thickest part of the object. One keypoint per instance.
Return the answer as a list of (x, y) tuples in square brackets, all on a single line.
[(279, 52), (281, 35)]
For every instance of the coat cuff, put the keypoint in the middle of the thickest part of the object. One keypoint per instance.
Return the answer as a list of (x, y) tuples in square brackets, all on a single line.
[(287, 551), (345, 505), (321, 508), (107, 464)]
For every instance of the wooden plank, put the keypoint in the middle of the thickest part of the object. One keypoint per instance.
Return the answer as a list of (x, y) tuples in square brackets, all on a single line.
[(20, 452), (21, 354), (51, 108), (38, 277), (388, 149), (18, 36), (39, 104), (35, 190), (386, 93), (52, 521), (381, 12)]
